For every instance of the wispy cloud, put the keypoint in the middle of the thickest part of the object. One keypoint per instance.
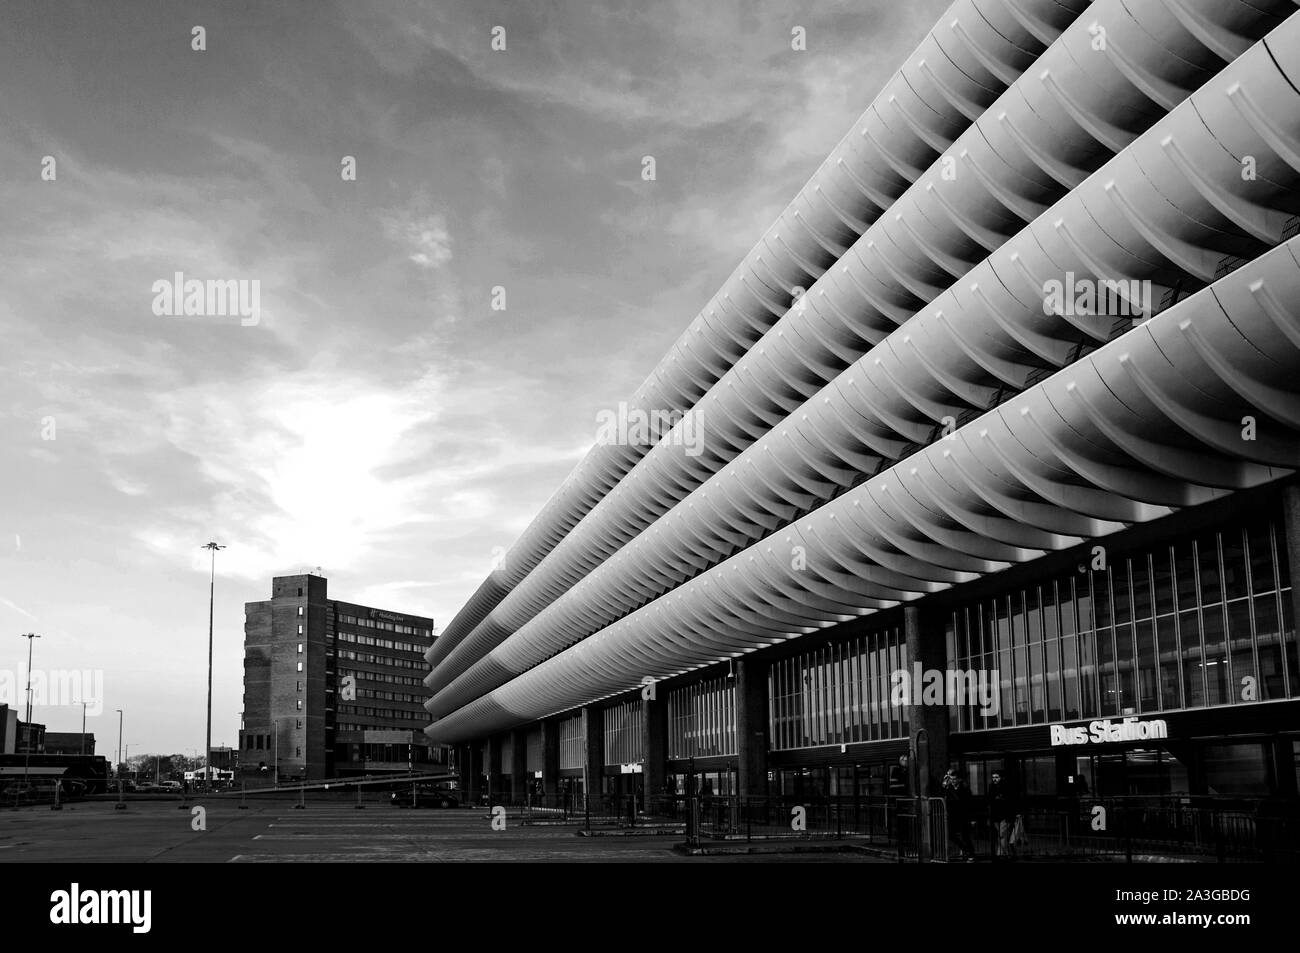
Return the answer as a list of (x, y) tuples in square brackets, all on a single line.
[(386, 420)]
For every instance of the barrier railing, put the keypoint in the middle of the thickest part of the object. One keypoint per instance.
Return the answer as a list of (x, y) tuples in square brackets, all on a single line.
[(921, 829)]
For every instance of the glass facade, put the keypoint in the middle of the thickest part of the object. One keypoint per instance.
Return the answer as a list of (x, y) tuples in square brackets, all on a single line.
[(702, 719), (1206, 621), (573, 742), (623, 741), (839, 694)]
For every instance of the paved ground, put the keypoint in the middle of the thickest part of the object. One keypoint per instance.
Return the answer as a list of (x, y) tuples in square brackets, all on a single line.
[(160, 831)]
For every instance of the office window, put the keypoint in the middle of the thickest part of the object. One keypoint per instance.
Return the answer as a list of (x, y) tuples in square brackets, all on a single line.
[(300, 666), (301, 610), (300, 686), (300, 723), (300, 704), (298, 752), (300, 630), (299, 648)]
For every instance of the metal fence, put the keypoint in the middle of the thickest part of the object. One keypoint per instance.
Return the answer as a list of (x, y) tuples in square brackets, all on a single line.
[(596, 811), (922, 829), (911, 828), (1128, 829)]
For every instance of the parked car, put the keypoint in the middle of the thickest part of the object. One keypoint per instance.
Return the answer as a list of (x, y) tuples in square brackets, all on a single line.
[(171, 786), (150, 787), (428, 797)]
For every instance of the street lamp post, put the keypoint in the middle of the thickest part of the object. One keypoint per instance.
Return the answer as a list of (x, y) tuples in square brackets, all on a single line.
[(83, 727), (30, 637), (119, 747), (27, 748), (212, 583)]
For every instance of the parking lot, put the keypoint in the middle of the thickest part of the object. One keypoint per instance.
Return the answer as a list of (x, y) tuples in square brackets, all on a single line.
[(274, 831)]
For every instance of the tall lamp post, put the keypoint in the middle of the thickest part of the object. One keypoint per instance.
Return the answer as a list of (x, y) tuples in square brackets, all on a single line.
[(119, 745), (30, 637), (27, 747), (212, 583), (83, 727)]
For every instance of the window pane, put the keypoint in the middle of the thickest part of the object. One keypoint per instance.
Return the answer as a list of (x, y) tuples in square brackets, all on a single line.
[(1170, 683), (1037, 693), (1185, 575), (1020, 658), (1234, 565), (1208, 555), (1126, 697), (1070, 675), (1216, 658), (1141, 577), (1106, 678), (1242, 653), (1164, 580), (1148, 676), (1189, 631), (1261, 559), (1289, 642), (1065, 593), (1271, 680)]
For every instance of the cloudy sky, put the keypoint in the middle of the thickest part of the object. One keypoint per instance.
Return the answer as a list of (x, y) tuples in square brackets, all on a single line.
[(380, 420)]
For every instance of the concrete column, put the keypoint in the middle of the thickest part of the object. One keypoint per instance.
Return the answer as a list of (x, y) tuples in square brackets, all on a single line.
[(495, 783), (475, 789), (519, 765), (463, 767), (551, 756), (751, 727), (654, 743), (928, 724), (595, 761)]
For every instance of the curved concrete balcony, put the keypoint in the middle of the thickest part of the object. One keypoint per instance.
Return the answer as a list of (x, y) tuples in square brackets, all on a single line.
[(896, 397), (1150, 422), (963, 64)]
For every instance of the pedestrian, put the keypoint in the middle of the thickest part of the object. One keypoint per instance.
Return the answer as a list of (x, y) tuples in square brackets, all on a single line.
[(1002, 814), (956, 800)]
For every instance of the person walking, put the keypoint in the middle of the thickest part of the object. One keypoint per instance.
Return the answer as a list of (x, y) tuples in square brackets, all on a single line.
[(1002, 814), (956, 800)]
